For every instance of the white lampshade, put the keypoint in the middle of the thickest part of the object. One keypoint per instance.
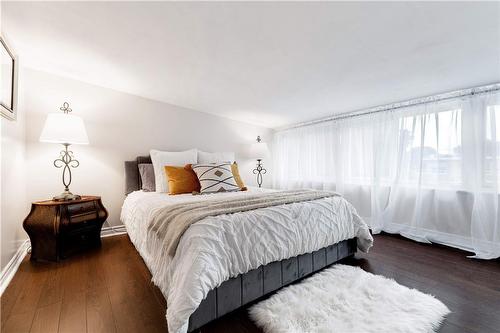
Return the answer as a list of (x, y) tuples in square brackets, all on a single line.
[(64, 128), (259, 150)]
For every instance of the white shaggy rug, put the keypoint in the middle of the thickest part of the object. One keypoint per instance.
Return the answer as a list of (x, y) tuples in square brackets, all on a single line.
[(348, 299)]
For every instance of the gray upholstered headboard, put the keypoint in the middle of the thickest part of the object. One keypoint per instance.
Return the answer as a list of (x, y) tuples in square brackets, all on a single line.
[(132, 176)]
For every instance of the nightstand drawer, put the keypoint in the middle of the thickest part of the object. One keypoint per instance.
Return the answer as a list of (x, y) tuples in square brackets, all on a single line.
[(83, 229), (80, 226), (80, 208), (80, 239), (77, 218)]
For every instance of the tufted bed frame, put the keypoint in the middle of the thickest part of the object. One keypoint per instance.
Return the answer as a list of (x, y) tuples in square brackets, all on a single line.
[(255, 284)]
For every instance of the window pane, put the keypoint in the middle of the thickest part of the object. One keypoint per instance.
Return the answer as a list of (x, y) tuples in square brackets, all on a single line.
[(492, 145), (431, 151)]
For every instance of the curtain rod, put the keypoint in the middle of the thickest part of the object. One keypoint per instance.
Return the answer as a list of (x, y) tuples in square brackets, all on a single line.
[(398, 105)]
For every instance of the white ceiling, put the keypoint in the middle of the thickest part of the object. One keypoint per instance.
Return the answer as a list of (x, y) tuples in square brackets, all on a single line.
[(270, 63)]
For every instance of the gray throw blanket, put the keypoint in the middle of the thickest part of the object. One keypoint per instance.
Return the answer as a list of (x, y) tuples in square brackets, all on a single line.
[(170, 223)]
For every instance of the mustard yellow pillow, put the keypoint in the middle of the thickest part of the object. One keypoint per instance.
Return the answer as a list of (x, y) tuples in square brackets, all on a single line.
[(182, 179), (237, 177)]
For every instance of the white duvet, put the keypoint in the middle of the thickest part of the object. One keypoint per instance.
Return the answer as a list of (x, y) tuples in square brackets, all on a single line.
[(217, 248)]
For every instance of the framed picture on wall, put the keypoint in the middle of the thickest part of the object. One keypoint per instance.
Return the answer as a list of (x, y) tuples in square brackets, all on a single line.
[(7, 81)]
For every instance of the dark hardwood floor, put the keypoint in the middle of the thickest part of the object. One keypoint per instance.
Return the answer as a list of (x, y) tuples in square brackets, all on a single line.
[(109, 290)]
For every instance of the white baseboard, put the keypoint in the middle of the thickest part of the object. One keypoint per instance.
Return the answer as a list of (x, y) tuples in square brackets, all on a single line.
[(10, 270), (113, 231)]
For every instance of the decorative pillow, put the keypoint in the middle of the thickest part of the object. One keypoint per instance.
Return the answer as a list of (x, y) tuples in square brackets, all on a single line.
[(162, 158), (147, 177), (182, 180), (204, 157), (215, 177), (237, 177)]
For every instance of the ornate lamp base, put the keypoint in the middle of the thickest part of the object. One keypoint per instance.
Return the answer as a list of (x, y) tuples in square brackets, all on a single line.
[(259, 171), (66, 196), (66, 161)]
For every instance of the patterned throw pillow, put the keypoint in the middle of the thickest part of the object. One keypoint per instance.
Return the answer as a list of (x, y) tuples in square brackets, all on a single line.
[(215, 177)]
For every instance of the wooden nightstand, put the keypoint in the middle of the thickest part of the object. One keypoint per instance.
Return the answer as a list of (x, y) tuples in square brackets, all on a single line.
[(58, 229)]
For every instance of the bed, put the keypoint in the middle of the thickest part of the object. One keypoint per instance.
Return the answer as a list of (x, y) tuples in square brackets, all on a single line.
[(225, 262)]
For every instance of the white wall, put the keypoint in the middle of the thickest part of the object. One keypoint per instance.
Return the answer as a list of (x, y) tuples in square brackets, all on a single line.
[(120, 126), (14, 203)]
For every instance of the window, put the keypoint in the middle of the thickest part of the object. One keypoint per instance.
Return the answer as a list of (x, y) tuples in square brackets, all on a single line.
[(431, 148), (492, 145)]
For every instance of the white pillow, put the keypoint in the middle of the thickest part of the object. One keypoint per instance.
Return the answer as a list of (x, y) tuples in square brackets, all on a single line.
[(161, 158), (204, 157)]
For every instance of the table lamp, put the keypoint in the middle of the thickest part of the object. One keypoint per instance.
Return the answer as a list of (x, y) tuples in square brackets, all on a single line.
[(259, 150), (66, 129)]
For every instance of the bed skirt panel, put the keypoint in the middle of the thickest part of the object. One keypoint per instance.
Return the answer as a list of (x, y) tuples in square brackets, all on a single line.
[(246, 288)]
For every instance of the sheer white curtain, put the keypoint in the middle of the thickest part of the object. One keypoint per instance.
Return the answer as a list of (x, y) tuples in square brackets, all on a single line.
[(429, 172)]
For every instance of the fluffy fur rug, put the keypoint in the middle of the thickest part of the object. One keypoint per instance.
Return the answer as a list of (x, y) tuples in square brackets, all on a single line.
[(348, 299)]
